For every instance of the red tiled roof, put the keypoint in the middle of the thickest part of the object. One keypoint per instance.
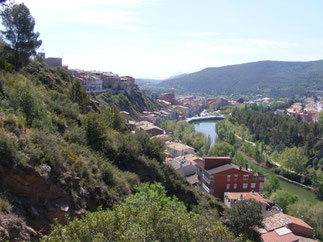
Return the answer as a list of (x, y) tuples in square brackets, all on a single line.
[(249, 195), (225, 168), (274, 237), (299, 222), (256, 196), (280, 219)]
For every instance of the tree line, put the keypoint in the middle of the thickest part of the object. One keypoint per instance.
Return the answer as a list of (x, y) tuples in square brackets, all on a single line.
[(296, 145), (279, 132)]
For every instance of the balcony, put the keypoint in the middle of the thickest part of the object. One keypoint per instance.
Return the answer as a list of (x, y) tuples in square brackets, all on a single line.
[(207, 180), (206, 188), (259, 177)]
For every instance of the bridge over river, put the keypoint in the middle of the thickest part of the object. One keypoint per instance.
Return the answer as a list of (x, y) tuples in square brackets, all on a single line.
[(205, 118)]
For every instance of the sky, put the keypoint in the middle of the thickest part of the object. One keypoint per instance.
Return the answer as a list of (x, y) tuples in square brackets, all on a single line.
[(160, 38)]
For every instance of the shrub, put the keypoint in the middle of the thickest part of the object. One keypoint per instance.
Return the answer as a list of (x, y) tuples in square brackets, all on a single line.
[(149, 215), (75, 134), (5, 206), (8, 147), (284, 198), (23, 98)]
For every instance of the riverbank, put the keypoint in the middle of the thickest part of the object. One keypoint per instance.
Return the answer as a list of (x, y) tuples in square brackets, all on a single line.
[(276, 164), (303, 193)]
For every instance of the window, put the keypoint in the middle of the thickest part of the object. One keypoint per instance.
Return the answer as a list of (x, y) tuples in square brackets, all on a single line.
[(245, 186), (228, 177), (235, 177), (253, 185), (234, 186), (245, 177), (228, 186)]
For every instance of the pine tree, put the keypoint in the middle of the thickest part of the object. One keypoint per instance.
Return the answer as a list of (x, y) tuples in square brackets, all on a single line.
[(19, 33)]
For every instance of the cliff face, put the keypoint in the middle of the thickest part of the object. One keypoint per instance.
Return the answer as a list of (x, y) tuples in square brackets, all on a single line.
[(40, 199)]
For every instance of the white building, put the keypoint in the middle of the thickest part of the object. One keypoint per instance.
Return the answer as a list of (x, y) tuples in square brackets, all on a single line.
[(178, 149)]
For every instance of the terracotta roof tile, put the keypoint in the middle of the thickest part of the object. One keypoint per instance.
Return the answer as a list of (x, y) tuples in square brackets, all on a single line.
[(299, 222), (249, 195), (273, 236), (226, 167)]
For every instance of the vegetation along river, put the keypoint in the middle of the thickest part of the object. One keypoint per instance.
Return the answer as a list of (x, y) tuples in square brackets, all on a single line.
[(208, 128)]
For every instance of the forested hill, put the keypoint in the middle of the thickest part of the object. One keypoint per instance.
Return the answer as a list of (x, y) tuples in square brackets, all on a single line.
[(272, 78)]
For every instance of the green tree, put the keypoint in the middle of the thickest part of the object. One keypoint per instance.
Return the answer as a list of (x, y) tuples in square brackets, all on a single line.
[(284, 198), (95, 130), (243, 217), (185, 132), (221, 149), (240, 159), (272, 184), (154, 194), (149, 215), (78, 95), (25, 99), (19, 25), (113, 118), (294, 159)]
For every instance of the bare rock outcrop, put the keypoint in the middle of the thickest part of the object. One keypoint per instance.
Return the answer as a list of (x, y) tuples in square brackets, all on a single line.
[(39, 199), (14, 228)]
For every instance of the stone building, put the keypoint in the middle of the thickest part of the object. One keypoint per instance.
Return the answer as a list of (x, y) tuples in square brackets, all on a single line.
[(53, 61), (104, 81), (178, 149)]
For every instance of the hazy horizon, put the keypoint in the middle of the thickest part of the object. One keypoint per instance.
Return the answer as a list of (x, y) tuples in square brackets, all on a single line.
[(157, 39)]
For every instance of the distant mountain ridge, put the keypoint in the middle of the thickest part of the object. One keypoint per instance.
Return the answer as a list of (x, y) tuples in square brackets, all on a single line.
[(147, 81), (272, 78)]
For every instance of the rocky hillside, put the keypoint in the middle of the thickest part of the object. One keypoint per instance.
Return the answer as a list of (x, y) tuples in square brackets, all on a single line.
[(62, 154), (272, 78), (134, 104)]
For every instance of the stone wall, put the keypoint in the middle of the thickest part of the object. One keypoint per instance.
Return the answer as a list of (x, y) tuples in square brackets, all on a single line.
[(53, 62)]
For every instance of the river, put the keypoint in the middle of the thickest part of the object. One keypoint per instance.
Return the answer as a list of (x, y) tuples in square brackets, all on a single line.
[(208, 128)]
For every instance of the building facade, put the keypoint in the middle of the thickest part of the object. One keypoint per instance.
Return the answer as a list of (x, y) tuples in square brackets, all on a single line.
[(178, 149), (217, 175)]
